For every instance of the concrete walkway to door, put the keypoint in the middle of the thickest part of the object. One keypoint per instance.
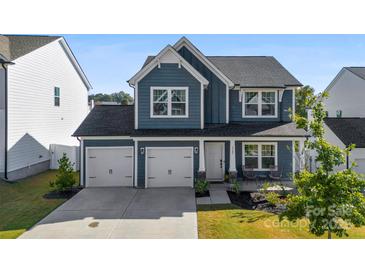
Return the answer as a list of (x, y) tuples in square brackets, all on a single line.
[(101, 213)]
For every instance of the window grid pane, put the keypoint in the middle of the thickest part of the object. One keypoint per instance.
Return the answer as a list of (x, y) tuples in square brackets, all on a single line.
[(160, 95), (178, 95)]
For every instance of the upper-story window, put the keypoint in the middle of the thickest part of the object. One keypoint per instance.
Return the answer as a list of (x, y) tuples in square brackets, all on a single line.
[(169, 102), (260, 104), (57, 96)]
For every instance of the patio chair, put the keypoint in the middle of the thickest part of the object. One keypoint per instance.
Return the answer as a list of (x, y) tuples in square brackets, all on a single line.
[(275, 174), (248, 173)]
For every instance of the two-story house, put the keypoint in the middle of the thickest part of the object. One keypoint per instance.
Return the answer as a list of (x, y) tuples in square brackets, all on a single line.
[(43, 99), (194, 116), (345, 105)]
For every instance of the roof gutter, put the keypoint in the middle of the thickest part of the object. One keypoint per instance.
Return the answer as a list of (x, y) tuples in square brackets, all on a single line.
[(4, 65)]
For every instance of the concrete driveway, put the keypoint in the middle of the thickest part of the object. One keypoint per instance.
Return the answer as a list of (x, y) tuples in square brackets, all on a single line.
[(101, 213)]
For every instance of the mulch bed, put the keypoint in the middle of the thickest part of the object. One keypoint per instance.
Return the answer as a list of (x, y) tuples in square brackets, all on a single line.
[(62, 194), (254, 201), (242, 200), (200, 195)]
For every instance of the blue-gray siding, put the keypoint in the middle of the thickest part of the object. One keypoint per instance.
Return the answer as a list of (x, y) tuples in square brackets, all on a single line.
[(142, 158), (283, 108), (168, 75), (215, 94), (285, 159), (102, 143)]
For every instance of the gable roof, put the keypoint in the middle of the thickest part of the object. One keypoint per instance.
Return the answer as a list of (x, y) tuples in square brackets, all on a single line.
[(348, 130), (359, 71), (245, 71), (156, 60), (184, 42), (13, 47), (108, 120)]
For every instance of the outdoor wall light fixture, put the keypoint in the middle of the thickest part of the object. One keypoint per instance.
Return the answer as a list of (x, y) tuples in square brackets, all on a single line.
[(196, 150), (141, 150)]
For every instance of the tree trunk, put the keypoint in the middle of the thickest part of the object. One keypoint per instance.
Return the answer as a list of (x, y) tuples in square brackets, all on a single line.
[(329, 234)]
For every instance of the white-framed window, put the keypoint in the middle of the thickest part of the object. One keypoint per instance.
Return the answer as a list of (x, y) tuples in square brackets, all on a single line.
[(260, 156), (57, 96), (260, 104), (169, 102)]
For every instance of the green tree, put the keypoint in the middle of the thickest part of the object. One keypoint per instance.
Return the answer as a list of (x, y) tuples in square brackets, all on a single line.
[(304, 97), (120, 97), (331, 200), (65, 178)]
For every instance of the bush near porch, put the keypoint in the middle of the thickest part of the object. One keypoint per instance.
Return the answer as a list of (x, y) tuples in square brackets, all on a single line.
[(232, 222), (22, 204)]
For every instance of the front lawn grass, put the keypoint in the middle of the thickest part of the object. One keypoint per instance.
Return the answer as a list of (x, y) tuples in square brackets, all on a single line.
[(22, 204), (232, 222)]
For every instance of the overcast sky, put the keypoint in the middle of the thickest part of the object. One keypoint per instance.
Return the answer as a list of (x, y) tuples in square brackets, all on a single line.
[(110, 60)]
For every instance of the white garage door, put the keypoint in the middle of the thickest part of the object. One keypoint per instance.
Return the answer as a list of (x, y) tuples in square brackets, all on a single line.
[(111, 166), (169, 167), (360, 166)]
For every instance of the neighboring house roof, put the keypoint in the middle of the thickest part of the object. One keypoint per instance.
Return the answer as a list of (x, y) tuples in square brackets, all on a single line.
[(348, 130), (108, 120), (251, 71), (359, 71), (13, 47), (119, 121)]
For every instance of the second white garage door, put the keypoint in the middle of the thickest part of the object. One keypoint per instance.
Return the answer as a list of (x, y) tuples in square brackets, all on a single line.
[(109, 166), (169, 167)]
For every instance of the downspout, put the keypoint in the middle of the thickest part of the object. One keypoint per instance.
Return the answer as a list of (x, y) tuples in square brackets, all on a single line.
[(80, 161), (4, 63)]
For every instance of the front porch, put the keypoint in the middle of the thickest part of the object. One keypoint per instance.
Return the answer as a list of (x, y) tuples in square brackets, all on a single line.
[(251, 161)]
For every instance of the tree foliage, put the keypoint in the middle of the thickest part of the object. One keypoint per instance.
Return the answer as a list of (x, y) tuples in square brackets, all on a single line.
[(331, 200), (118, 97), (304, 97), (65, 178)]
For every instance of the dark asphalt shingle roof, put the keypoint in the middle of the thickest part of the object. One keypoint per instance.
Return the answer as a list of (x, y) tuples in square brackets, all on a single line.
[(264, 129), (359, 71), (106, 120), (254, 71), (348, 130), (15, 46), (251, 71)]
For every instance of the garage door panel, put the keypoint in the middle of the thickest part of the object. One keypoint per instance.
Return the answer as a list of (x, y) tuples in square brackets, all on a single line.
[(169, 167), (109, 167)]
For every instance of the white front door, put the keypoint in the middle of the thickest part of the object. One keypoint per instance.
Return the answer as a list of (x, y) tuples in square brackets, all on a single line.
[(109, 166), (169, 167), (214, 161)]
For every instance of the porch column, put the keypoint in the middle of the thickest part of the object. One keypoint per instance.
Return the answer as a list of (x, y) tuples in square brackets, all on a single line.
[(301, 155), (201, 172), (232, 160)]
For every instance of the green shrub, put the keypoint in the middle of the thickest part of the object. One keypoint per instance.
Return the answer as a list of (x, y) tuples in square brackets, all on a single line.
[(65, 178), (201, 186), (236, 187)]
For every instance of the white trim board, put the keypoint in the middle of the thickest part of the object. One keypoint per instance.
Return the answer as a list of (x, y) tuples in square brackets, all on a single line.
[(156, 62)]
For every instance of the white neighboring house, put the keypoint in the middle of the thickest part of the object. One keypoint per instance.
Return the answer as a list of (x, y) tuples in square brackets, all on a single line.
[(345, 124), (43, 99)]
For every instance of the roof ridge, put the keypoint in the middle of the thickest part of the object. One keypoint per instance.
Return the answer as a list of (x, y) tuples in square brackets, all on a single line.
[(235, 56)]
